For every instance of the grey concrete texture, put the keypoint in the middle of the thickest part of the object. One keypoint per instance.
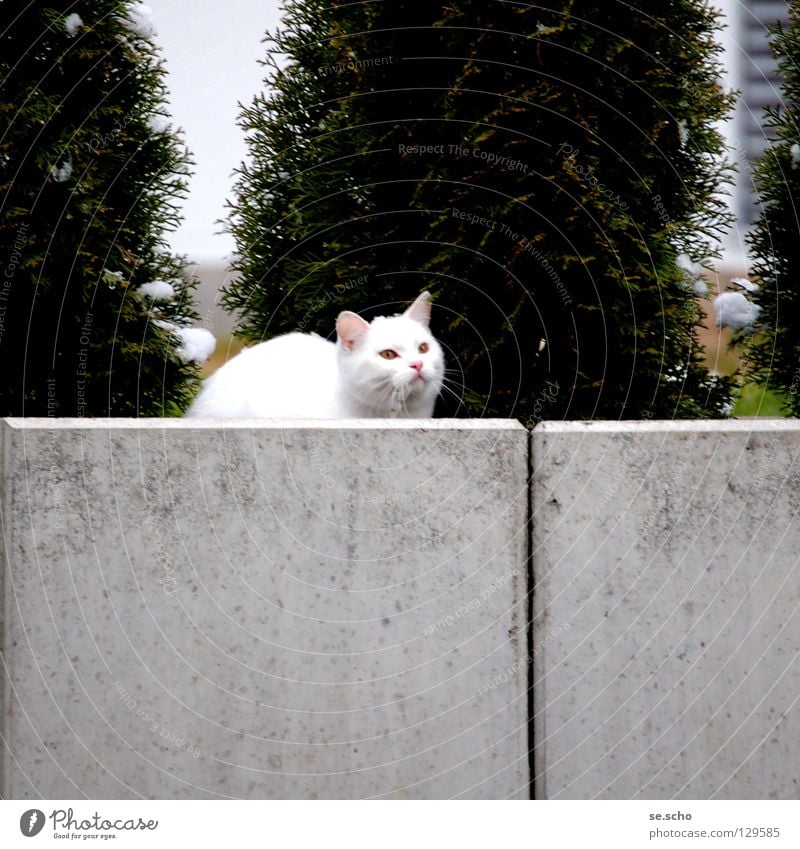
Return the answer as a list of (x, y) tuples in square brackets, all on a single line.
[(666, 595), (264, 610)]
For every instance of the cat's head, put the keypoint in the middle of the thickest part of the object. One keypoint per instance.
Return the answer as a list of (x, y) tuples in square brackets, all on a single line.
[(393, 365)]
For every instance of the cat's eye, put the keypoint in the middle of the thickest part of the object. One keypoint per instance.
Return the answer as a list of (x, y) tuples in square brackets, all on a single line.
[(423, 348), (389, 354)]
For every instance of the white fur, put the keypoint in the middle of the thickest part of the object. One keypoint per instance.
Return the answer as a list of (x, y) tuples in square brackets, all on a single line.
[(306, 377)]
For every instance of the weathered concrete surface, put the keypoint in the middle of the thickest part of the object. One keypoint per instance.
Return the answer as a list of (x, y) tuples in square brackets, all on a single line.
[(666, 624), (256, 610)]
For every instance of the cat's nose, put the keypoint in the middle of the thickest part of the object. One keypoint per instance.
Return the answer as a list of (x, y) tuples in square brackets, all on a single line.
[(416, 365)]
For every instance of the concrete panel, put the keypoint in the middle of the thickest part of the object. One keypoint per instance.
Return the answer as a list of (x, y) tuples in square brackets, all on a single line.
[(264, 610), (666, 624)]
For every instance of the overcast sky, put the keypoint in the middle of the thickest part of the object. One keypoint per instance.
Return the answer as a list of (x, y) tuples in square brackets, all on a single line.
[(212, 50)]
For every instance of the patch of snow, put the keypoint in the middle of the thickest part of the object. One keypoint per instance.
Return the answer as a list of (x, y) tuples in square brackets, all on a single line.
[(157, 290), (113, 277), (63, 172), (72, 23), (700, 288), (197, 344), (139, 20), (675, 377), (685, 262), (794, 152), (745, 284), (735, 311), (157, 123)]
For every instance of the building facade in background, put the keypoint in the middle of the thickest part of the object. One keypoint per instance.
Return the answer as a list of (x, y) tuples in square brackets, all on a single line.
[(753, 74)]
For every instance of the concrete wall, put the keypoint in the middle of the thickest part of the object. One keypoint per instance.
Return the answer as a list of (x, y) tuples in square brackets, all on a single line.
[(667, 590), (196, 610)]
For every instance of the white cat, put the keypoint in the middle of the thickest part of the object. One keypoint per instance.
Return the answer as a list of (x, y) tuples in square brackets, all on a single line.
[(392, 367)]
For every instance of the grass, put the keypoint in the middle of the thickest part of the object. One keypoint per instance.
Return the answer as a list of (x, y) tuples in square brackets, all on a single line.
[(721, 357), (757, 400)]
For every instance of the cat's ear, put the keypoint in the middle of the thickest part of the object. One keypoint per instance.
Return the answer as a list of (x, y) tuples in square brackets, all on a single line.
[(420, 310), (351, 329)]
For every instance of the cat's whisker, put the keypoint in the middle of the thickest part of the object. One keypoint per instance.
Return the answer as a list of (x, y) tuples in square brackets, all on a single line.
[(447, 380), (393, 401), (462, 387), (406, 413), (453, 393), (448, 384)]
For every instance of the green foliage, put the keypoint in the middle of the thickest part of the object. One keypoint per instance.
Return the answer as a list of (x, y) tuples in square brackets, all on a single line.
[(773, 356), (757, 400), (90, 181), (540, 171)]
